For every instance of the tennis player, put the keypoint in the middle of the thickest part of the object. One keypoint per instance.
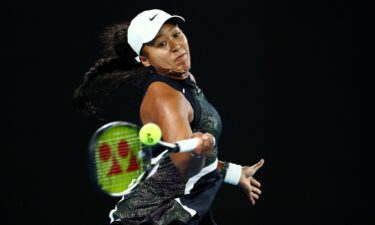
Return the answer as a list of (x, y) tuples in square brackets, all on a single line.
[(153, 52)]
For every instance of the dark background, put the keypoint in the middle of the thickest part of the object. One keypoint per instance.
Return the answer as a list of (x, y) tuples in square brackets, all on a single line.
[(291, 80)]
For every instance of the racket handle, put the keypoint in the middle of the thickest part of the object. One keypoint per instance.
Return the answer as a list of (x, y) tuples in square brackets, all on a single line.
[(187, 145)]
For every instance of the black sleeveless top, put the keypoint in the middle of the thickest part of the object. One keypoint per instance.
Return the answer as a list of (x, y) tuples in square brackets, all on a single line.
[(186, 87), (167, 196)]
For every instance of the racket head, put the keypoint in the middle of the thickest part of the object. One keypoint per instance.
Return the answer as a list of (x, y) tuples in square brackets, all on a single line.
[(116, 155)]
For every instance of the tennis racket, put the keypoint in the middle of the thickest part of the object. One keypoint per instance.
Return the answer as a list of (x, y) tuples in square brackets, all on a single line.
[(119, 161)]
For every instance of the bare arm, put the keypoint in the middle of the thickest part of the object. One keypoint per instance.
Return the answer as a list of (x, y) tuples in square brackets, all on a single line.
[(247, 182), (169, 109)]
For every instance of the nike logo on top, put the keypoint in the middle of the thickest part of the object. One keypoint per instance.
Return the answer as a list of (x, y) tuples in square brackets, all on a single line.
[(152, 18)]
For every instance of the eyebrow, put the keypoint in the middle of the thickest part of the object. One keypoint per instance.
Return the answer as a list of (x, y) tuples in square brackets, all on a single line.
[(159, 35)]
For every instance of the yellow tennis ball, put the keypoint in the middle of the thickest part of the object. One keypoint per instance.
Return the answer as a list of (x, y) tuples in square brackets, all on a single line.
[(150, 134)]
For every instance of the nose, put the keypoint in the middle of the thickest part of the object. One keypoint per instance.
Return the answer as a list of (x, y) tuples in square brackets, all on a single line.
[(175, 46)]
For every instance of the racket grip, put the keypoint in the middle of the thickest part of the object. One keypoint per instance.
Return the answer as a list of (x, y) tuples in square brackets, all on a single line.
[(187, 145)]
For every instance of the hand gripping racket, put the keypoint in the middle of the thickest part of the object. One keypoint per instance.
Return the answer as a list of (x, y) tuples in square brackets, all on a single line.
[(119, 161)]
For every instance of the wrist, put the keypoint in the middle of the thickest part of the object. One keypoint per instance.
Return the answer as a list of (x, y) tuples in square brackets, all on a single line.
[(231, 173)]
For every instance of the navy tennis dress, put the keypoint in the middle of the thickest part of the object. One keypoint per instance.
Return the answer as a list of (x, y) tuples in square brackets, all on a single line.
[(167, 197)]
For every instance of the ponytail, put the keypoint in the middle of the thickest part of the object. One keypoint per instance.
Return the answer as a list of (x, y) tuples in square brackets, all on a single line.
[(117, 65), (81, 100)]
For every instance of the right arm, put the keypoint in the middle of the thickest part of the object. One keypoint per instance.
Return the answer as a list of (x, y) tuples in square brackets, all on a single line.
[(169, 109)]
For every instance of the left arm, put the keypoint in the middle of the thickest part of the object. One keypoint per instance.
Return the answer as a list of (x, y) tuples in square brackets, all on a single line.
[(246, 181)]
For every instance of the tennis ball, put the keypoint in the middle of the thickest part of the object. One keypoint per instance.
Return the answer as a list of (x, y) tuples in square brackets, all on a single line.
[(150, 134)]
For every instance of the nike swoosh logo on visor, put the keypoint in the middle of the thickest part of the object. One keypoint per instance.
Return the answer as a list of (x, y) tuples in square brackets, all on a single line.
[(152, 18)]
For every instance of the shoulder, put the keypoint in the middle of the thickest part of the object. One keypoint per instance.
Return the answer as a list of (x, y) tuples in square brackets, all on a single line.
[(161, 99), (160, 91)]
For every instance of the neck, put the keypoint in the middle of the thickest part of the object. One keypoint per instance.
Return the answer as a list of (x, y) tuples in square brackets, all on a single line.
[(178, 75)]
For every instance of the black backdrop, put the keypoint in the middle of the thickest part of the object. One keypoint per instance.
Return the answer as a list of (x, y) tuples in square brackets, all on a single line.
[(289, 79)]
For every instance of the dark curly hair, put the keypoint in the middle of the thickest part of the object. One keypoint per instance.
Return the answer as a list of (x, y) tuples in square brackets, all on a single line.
[(116, 67)]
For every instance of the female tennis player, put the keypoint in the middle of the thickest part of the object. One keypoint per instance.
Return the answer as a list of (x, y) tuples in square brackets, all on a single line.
[(153, 52)]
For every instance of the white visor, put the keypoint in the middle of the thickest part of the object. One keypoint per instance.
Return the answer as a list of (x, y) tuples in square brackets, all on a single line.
[(145, 26)]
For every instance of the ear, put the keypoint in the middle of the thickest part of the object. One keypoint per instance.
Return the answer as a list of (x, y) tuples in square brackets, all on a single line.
[(144, 61)]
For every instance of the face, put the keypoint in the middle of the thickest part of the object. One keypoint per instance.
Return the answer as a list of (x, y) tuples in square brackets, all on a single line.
[(168, 53)]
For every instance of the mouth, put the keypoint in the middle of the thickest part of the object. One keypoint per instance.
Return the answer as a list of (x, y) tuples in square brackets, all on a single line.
[(181, 57)]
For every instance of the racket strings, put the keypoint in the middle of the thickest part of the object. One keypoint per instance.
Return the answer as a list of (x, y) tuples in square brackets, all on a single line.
[(122, 164)]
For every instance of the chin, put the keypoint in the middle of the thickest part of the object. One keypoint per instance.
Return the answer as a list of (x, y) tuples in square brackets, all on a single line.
[(185, 66), (184, 70)]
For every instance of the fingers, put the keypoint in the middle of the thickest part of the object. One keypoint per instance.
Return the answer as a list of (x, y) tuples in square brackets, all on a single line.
[(257, 166), (255, 183), (251, 199), (205, 145), (206, 137), (254, 196), (252, 189), (255, 190), (209, 139), (196, 135), (250, 185)]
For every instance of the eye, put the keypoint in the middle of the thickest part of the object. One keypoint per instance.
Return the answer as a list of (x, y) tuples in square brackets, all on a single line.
[(177, 34), (162, 44)]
